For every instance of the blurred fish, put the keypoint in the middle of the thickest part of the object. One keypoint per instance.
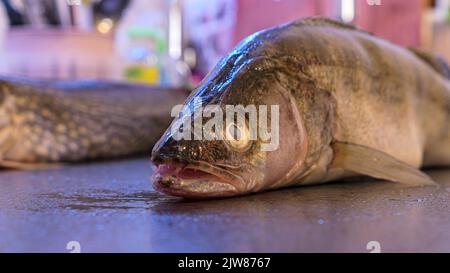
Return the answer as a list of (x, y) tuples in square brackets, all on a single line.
[(351, 104), (46, 122)]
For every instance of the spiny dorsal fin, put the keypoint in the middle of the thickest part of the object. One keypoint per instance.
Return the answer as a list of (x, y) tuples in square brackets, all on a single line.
[(435, 61), (323, 21)]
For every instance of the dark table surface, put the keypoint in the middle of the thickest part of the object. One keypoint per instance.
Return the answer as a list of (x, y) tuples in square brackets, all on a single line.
[(111, 207)]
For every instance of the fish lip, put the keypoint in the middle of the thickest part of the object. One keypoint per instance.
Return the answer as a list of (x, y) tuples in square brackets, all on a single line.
[(170, 184), (174, 187)]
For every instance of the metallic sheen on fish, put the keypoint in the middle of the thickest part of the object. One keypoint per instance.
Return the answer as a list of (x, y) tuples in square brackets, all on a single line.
[(351, 104)]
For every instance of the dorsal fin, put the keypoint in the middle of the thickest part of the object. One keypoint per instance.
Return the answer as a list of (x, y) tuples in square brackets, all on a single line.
[(323, 21), (438, 63)]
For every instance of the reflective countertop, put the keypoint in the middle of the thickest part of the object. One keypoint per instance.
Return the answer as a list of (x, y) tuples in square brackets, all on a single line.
[(111, 207)]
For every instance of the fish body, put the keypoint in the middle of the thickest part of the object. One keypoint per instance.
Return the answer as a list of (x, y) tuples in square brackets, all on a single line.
[(351, 104), (43, 122)]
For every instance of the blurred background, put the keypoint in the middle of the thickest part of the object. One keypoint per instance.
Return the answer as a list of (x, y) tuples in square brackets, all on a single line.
[(176, 42)]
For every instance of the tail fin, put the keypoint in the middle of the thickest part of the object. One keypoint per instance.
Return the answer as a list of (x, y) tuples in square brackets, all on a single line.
[(438, 63)]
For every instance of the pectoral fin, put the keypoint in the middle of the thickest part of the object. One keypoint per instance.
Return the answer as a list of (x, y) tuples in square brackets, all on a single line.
[(368, 161)]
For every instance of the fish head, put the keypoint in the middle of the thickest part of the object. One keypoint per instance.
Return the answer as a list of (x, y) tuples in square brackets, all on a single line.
[(260, 143)]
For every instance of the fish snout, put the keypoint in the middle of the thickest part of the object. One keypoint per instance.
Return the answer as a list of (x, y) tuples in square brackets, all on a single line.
[(178, 151)]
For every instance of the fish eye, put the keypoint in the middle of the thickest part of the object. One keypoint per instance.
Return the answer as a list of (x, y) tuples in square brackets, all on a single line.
[(237, 137)]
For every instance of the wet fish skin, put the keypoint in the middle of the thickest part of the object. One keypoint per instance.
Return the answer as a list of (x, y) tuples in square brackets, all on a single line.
[(43, 121), (351, 104)]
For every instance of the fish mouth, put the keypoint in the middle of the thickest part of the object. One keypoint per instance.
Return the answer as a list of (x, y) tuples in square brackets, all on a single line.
[(198, 180)]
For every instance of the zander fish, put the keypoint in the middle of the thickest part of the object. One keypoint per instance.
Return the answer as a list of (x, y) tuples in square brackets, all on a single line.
[(45, 122), (350, 104)]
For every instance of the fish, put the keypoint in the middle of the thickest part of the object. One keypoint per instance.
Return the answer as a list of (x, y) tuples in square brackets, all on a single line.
[(48, 123), (351, 105)]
